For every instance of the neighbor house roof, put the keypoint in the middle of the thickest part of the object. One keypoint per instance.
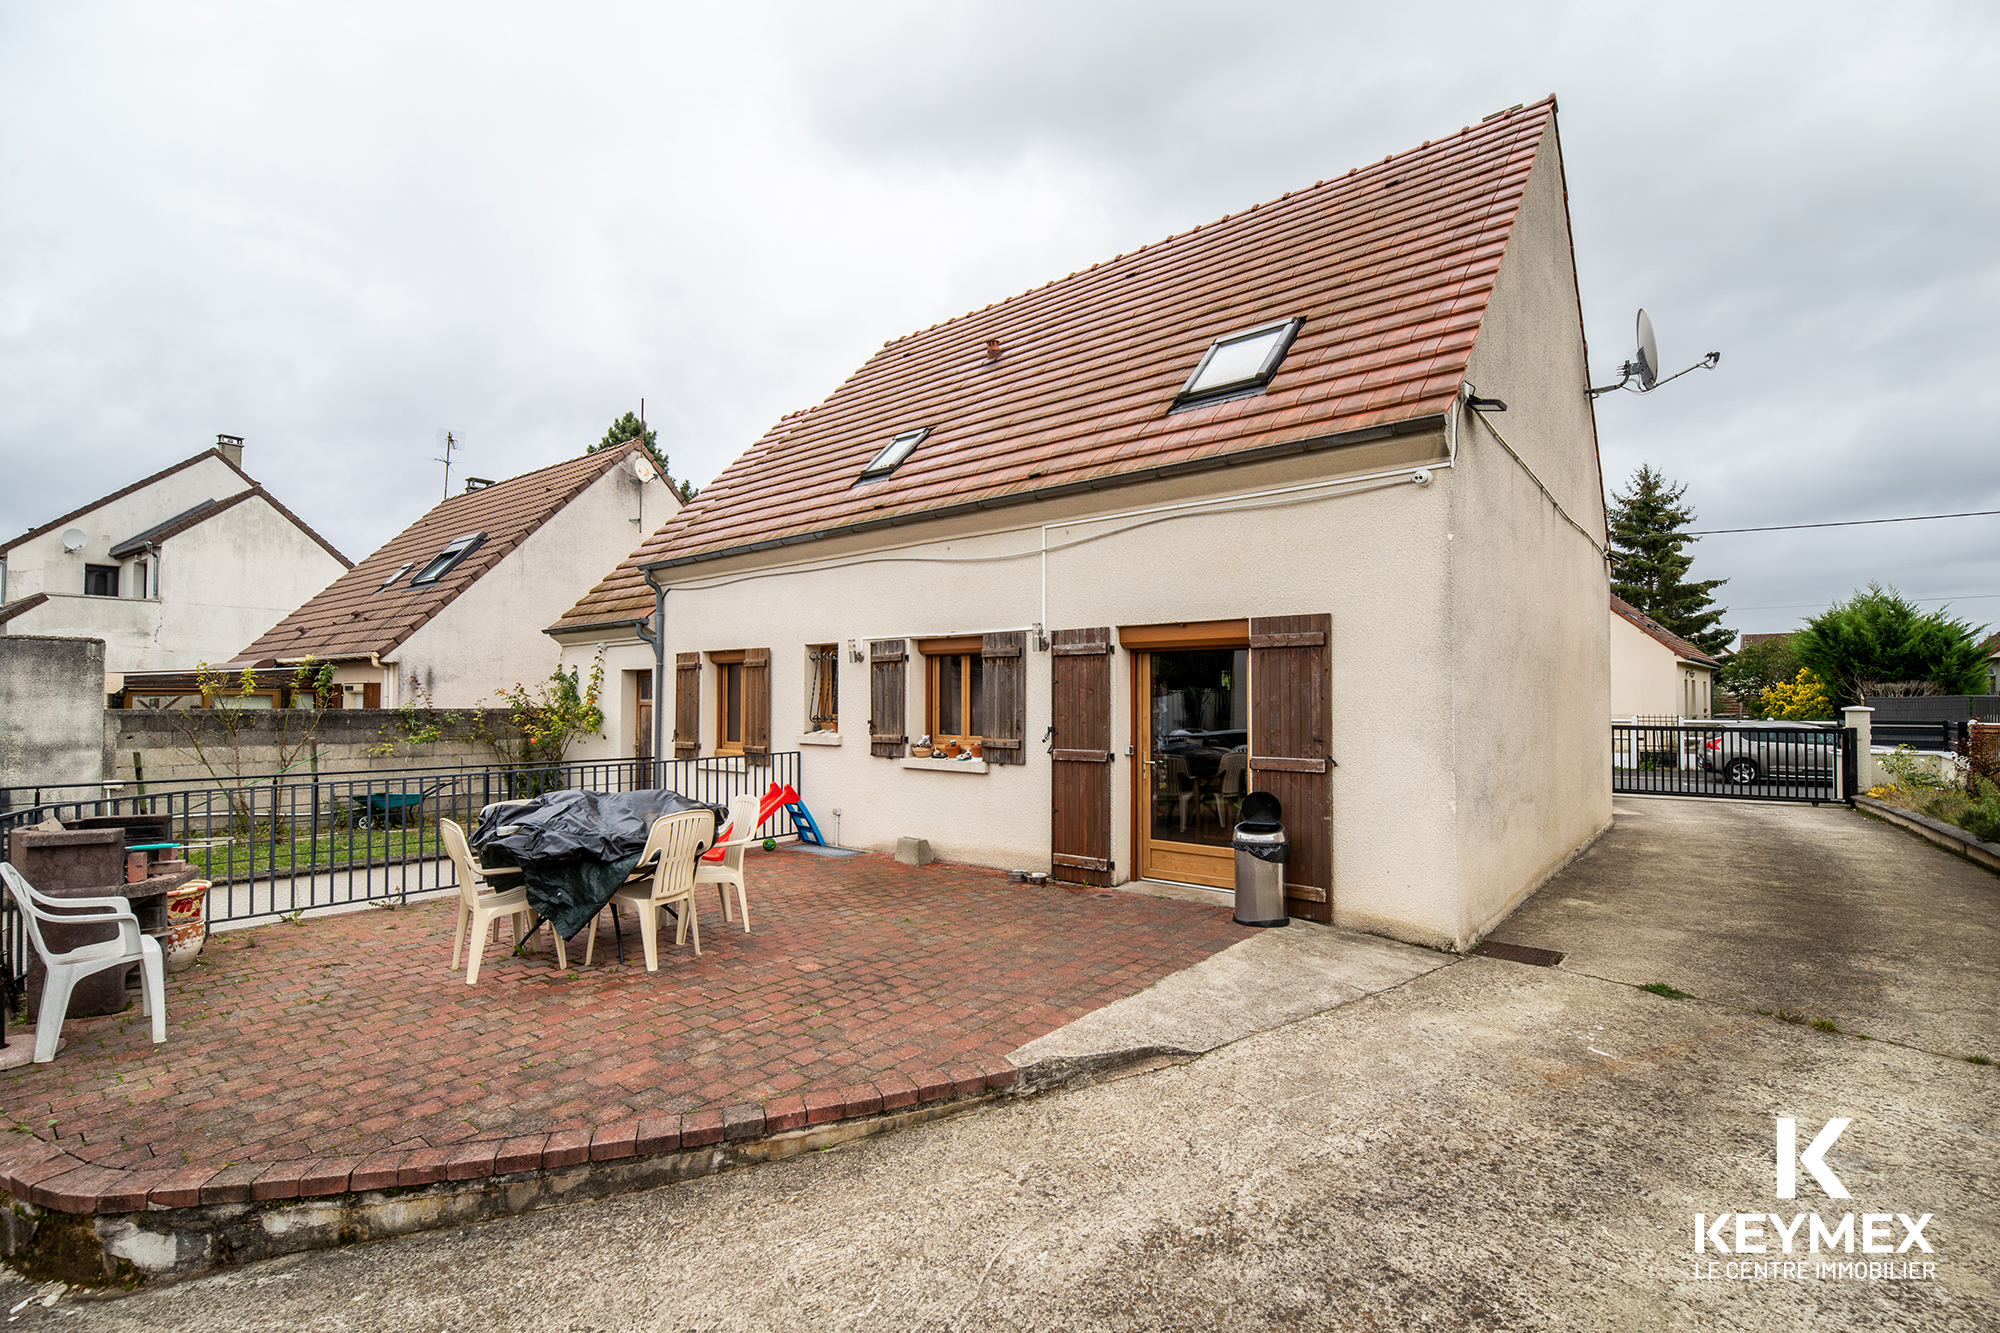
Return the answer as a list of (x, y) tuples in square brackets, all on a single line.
[(355, 616), (1073, 385), (1654, 629), (181, 522)]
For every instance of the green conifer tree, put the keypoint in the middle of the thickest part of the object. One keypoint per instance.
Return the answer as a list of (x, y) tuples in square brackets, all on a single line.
[(1650, 561), (629, 427)]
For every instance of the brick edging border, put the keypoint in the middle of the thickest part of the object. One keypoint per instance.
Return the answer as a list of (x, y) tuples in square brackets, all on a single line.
[(38, 1172)]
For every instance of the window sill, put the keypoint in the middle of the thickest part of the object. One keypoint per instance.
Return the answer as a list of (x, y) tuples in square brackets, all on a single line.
[(820, 738), (948, 765)]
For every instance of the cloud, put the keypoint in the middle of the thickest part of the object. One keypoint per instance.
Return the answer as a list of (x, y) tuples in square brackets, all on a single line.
[(335, 231)]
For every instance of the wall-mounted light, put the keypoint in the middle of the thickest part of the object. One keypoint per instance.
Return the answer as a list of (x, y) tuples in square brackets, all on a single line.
[(854, 653), (1041, 639)]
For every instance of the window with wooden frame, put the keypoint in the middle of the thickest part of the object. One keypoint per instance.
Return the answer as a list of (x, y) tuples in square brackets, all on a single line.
[(728, 701), (742, 701), (954, 689), (823, 687)]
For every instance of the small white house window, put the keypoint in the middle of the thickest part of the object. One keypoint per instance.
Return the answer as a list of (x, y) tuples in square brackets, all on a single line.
[(894, 452), (1240, 362)]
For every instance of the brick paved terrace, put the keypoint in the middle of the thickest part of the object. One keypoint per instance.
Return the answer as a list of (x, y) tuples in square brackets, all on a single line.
[(347, 1041)]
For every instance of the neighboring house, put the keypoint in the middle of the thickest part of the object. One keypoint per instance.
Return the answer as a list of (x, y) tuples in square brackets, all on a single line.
[(1992, 650), (1211, 517), (452, 609), (1654, 672), (176, 569)]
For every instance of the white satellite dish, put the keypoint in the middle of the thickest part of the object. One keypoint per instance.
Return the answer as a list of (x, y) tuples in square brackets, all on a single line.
[(642, 468), (1649, 352), (73, 540), (1645, 365)]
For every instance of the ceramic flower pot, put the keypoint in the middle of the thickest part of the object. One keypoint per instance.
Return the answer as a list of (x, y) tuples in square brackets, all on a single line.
[(187, 923)]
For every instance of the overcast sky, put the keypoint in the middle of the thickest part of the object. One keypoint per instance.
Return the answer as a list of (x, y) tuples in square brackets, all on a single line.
[(335, 229)]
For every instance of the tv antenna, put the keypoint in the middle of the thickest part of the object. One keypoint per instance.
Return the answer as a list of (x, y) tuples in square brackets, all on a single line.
[(1645, 364), (447, 441)]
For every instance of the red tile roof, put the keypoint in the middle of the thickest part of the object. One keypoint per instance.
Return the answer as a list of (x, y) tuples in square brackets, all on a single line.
[(1651, 627), (354, 616), (256, 488), (1390, 266)]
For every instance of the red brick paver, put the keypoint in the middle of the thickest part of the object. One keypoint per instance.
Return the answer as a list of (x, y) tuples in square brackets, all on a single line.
[(867, 986)]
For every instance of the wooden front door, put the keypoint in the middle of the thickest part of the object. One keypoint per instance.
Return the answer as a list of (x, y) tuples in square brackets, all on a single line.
[(1290, 729), (1080, 827)]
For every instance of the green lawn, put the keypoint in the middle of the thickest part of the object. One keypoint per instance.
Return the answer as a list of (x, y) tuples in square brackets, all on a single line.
[(342, 847)]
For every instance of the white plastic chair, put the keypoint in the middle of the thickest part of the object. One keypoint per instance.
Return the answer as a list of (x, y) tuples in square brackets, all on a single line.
[(729, 870), (66, 969), (672, 846), (480, 905)]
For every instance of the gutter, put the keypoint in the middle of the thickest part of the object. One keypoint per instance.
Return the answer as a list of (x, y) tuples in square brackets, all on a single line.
[(635, 624), (657, 636), (1415, 426)]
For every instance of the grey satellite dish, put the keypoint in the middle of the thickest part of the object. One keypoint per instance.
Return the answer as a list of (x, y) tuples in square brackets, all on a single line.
[(73, 540), (1649, 352)]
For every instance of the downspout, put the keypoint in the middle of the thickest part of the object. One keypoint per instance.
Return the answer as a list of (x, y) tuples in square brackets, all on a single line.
[(658, 638)]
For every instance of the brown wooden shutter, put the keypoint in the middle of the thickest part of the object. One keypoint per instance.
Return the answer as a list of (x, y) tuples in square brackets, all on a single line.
[(1290, 728), (886, 663), (687, 705), (371, 696), (1080, 829), (1004, 724), (756, 701)]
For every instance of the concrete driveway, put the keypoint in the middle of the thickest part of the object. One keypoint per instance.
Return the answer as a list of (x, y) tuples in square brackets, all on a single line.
[(1478, 1145)]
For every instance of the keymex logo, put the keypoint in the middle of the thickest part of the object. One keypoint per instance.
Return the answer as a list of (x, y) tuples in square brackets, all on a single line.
[(1741, 1233)]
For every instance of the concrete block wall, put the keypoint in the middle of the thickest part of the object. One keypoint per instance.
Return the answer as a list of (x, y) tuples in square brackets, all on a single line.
[(157, 745), (51, 703)]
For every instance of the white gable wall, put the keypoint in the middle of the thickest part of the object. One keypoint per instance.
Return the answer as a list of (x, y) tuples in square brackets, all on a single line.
[(1531, 750), (41, 564), (490, 637), (213, 587)]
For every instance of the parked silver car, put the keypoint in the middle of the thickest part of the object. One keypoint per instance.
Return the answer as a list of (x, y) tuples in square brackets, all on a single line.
[(1747, 752)]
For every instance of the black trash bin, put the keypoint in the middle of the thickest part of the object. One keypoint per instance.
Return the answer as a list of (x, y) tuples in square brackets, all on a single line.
[(1261, 852)]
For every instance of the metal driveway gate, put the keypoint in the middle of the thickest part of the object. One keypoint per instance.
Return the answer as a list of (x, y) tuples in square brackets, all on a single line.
[(1742, 761)]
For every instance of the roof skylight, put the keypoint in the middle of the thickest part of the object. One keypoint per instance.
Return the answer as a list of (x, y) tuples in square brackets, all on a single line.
[(894, 452), (408, 565), (1240, 362), (442, 563)]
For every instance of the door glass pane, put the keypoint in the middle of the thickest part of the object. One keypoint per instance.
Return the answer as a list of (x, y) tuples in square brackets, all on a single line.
[(1200, 756), (732, 709)]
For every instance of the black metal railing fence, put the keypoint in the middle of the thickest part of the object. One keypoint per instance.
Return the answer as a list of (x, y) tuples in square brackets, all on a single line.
[(289, 843)]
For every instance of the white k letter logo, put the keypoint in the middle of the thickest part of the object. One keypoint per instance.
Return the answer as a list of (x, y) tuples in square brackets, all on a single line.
[(1812, 1159)]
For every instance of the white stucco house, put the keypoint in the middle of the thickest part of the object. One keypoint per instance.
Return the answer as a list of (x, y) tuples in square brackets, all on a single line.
[(178, 568), (1656, 674), (453, 607), (1232, 512)]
